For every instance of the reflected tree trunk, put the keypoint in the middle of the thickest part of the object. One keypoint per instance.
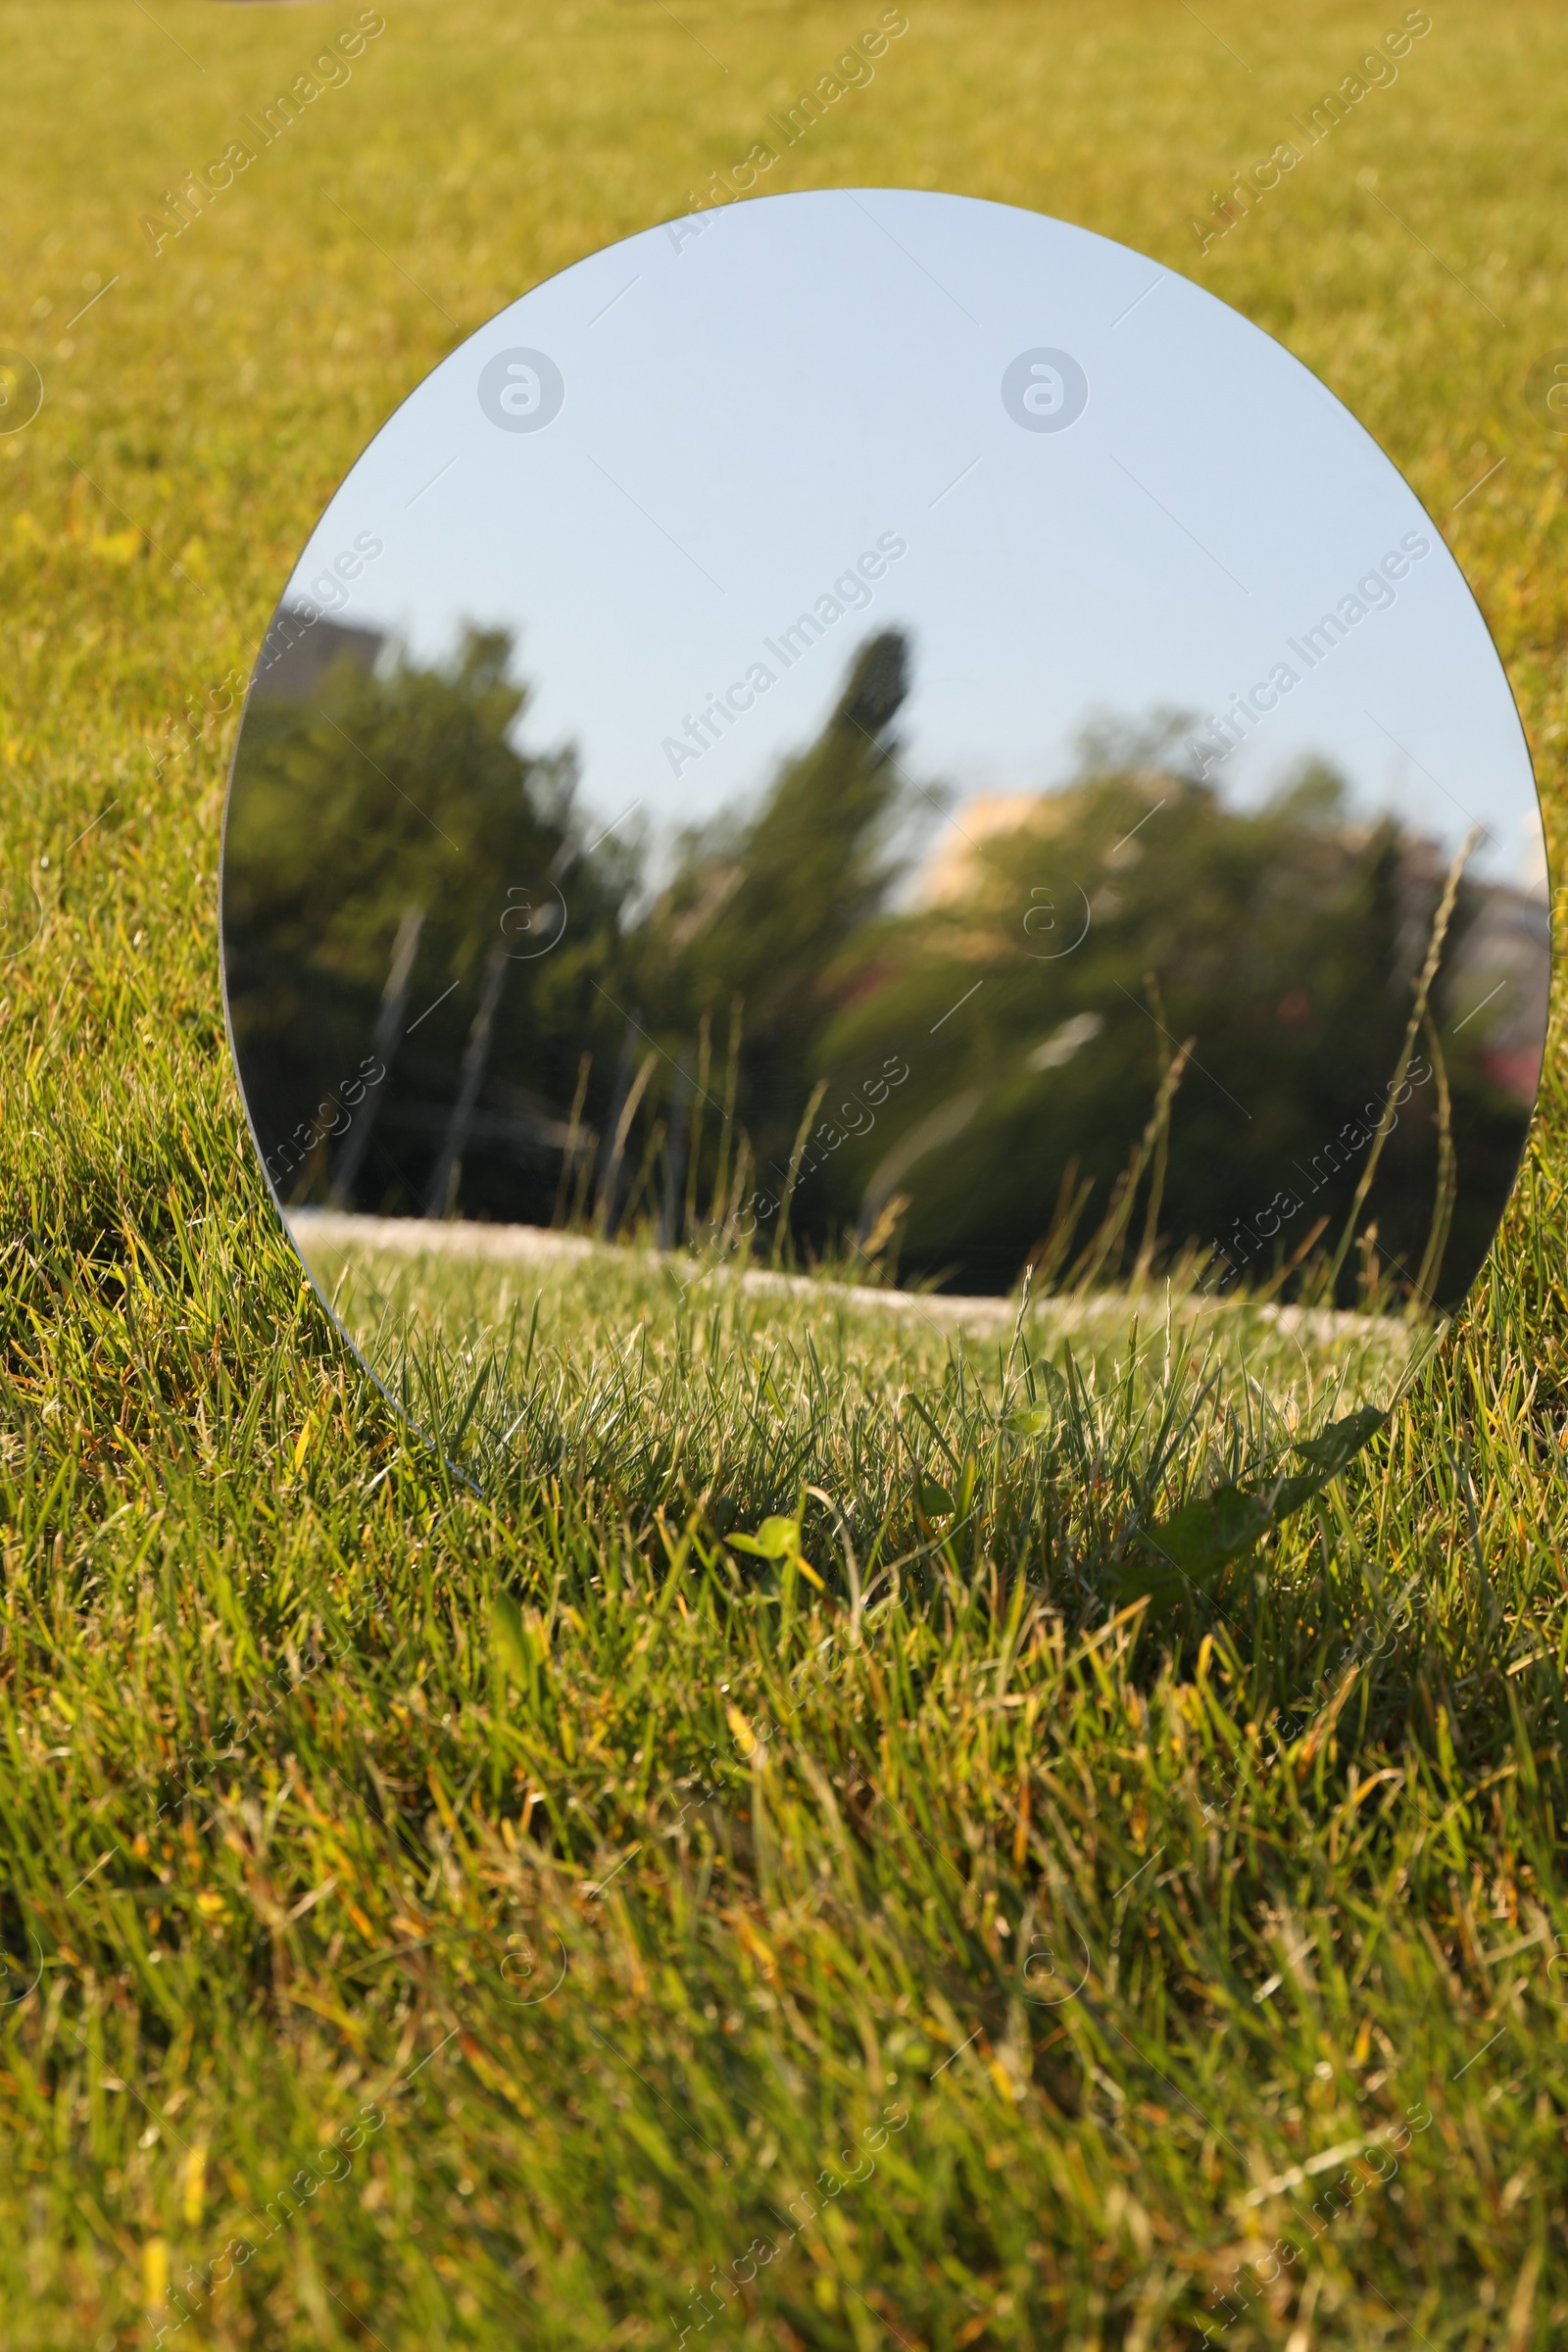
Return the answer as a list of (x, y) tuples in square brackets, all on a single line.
[(384, 1044), (476, 1053)]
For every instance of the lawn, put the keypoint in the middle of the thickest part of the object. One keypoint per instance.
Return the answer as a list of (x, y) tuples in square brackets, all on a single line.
[(603, 1354), (513, 1911)]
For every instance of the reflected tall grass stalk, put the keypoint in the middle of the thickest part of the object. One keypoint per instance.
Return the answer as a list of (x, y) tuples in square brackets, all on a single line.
[(1418, 1014), (797, 1154), (1447, 1176), (1150, 1145)]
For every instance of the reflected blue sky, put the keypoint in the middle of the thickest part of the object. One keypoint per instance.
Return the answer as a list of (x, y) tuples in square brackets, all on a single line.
[(752, 408)]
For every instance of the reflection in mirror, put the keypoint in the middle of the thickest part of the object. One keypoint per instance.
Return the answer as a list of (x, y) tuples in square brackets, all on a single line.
[(978, 1009)]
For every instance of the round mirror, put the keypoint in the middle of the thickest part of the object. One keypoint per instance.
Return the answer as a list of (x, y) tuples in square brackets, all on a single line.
[(868, 809)]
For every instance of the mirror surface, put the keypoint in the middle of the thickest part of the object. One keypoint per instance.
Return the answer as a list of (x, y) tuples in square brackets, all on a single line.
[(873, 788)]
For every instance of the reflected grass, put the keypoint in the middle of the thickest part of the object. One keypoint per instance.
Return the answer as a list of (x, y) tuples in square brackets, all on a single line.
[(711, 1378)]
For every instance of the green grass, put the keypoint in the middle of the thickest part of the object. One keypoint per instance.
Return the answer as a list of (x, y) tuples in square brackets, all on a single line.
[(623, 1877), (744, 1378)]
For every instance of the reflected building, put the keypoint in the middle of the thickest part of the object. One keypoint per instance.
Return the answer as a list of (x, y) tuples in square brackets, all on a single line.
[(1502, 981), (303, 647)]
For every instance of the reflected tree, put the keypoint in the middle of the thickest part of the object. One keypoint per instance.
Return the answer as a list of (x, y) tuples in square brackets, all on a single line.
[(1098, 1028), (764, 907), (1255, 966), (404, 893)]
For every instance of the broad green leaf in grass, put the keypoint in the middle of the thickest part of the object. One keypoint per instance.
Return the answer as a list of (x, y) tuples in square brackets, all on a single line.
[(1039, 1419), (1189, 1549), (775, 1539), (779, 1540)]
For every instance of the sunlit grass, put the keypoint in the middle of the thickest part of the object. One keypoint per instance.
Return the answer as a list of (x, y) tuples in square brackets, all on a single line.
[(731, 1368), (317, 1763)]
